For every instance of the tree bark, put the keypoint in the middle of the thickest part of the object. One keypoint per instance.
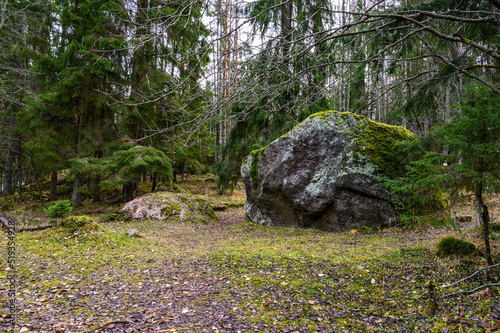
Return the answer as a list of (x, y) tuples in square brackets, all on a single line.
[(53, 185), (484, 220), (37, 180), (9, 164), (174, 171), (20, 173), (154, 181), (128, 191), (96, 197), (76, 197)]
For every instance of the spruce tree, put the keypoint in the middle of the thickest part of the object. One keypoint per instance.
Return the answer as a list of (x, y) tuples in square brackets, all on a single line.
[(462, 156)]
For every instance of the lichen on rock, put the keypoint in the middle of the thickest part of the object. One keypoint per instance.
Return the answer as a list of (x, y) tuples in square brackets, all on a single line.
[(170, 206), (328, 173)]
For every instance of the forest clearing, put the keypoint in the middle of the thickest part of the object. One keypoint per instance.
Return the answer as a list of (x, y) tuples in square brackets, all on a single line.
[(233, 275)]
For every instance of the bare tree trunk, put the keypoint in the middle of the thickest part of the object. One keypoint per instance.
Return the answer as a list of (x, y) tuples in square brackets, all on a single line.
[(174, 171), (154, 181), (53, 185), (76, 197), (96, 197), (20, 173), (128, 191), (236, 49), (37, 180), (226, 75), (9, 167), (484, 219), (9, 162)]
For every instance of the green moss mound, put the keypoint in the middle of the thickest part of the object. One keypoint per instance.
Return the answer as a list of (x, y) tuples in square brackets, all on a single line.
[(453, 246), (84, 223)]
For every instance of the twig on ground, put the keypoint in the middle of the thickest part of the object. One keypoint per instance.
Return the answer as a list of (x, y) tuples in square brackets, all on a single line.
[(464, 279), (466, 292), (468, 277), (34, 228)]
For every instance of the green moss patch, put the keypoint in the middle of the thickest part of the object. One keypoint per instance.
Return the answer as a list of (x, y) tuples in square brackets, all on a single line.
[(375, 140), (453, 246)]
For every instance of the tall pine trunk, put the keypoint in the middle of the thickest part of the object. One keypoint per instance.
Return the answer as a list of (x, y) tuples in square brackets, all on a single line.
[(53, 185), (20, 172), (76, 197), (484, 220), (154, 181), (9, 162)]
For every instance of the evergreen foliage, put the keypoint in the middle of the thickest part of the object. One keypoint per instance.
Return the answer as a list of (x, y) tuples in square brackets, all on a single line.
[(458, 156), (124, 167), (59, 209)]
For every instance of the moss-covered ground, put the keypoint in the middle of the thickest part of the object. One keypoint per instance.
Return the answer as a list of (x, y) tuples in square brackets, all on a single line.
[(232, 275)]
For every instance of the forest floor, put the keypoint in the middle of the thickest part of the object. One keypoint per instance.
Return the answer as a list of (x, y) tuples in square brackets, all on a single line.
[(237, 276)]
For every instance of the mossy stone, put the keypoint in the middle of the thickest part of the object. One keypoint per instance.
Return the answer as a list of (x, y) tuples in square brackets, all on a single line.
[(169, 206), (80, 222), (453, 246)]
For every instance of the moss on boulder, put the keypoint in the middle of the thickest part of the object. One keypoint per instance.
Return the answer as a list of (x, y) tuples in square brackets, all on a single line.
[(373, 139), (170, 206), (328, 173)]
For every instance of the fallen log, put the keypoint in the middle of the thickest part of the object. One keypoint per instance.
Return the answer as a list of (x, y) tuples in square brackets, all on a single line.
[(9, 223), (34, 228)]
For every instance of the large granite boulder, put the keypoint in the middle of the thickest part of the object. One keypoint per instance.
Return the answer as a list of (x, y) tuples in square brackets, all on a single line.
[(326, 173)]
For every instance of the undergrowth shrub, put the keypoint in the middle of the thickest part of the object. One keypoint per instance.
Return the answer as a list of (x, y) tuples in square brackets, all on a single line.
[(7, 203), (58, 209), (453, 246), (110, 217)]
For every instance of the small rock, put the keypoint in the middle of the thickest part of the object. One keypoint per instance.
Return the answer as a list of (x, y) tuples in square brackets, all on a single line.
[(133, 232), (262, 222), (182, 214), (464, 218)]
